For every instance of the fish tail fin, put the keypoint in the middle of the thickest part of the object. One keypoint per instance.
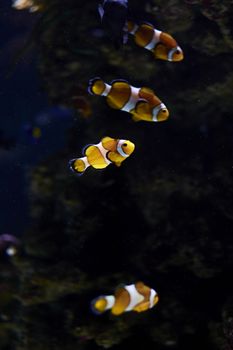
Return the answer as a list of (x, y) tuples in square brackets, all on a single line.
[(78, 165), (99, 305), (96, 86)]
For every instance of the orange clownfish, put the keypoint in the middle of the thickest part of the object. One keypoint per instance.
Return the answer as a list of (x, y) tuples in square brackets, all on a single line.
[(134, 297), (100, 155), (26, 4), (142, 102), (161, 44)]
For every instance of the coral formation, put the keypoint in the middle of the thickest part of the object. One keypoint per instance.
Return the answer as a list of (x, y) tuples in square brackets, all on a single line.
[(165, 218)]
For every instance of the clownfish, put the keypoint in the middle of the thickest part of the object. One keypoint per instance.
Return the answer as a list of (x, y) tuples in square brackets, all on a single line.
[(25, 4), (34, 133), (142, 102), (161, 44), (134, 297), (100, 155)]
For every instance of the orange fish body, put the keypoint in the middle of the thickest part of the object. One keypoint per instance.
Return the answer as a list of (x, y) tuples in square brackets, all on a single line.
[(161, 44), (142, 103), (26, 4), (134, 297), (100, 155)]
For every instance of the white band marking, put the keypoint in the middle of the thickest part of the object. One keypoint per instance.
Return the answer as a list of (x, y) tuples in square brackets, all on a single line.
[(103, 151), (135, 297), (156, 111), (152, 295), (85, 161), (110, 299), (135, 28), (155, 39), (132, 100), (106, 90), (120, 150), (171, 52)]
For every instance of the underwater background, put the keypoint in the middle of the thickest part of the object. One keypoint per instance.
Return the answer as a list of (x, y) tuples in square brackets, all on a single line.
[(165, 217)]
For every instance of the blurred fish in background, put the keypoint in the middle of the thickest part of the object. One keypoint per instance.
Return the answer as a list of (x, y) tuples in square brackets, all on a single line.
[(25, 4), (9, 244), (82, 105), (53, 114), (32, 133), (113, 15)]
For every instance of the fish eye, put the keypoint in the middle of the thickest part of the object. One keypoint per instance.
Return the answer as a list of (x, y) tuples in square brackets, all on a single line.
[(164, 110), (177, 52), (124, 144)]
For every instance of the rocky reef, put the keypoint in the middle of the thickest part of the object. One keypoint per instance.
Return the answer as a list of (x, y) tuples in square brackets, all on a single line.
[(164, 217)]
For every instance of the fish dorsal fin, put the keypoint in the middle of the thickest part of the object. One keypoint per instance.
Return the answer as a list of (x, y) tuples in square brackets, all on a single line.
[(142, 288), (168, 40), (149, 95), (144, 35), (148, 24), (119, 81), (85, 149), (109, 143), (119, 290), (139, 285), (89, 149)]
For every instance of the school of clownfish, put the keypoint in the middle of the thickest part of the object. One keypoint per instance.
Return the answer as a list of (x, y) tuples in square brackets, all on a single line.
[(143, 104)]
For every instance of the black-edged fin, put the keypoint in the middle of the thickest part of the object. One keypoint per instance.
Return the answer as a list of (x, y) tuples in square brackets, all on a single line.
[(139, 284), (108, 154), (146, 23), (71, 167), (91, 84), (119, 288), (119, 81), (140, 104), (93, 308), (84, 149)]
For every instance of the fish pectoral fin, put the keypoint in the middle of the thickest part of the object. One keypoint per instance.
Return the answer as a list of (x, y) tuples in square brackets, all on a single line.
[(135, 117), (143, 107), (106, 139), (142, 307), (113, 157), (109, 143), (118, 164)]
